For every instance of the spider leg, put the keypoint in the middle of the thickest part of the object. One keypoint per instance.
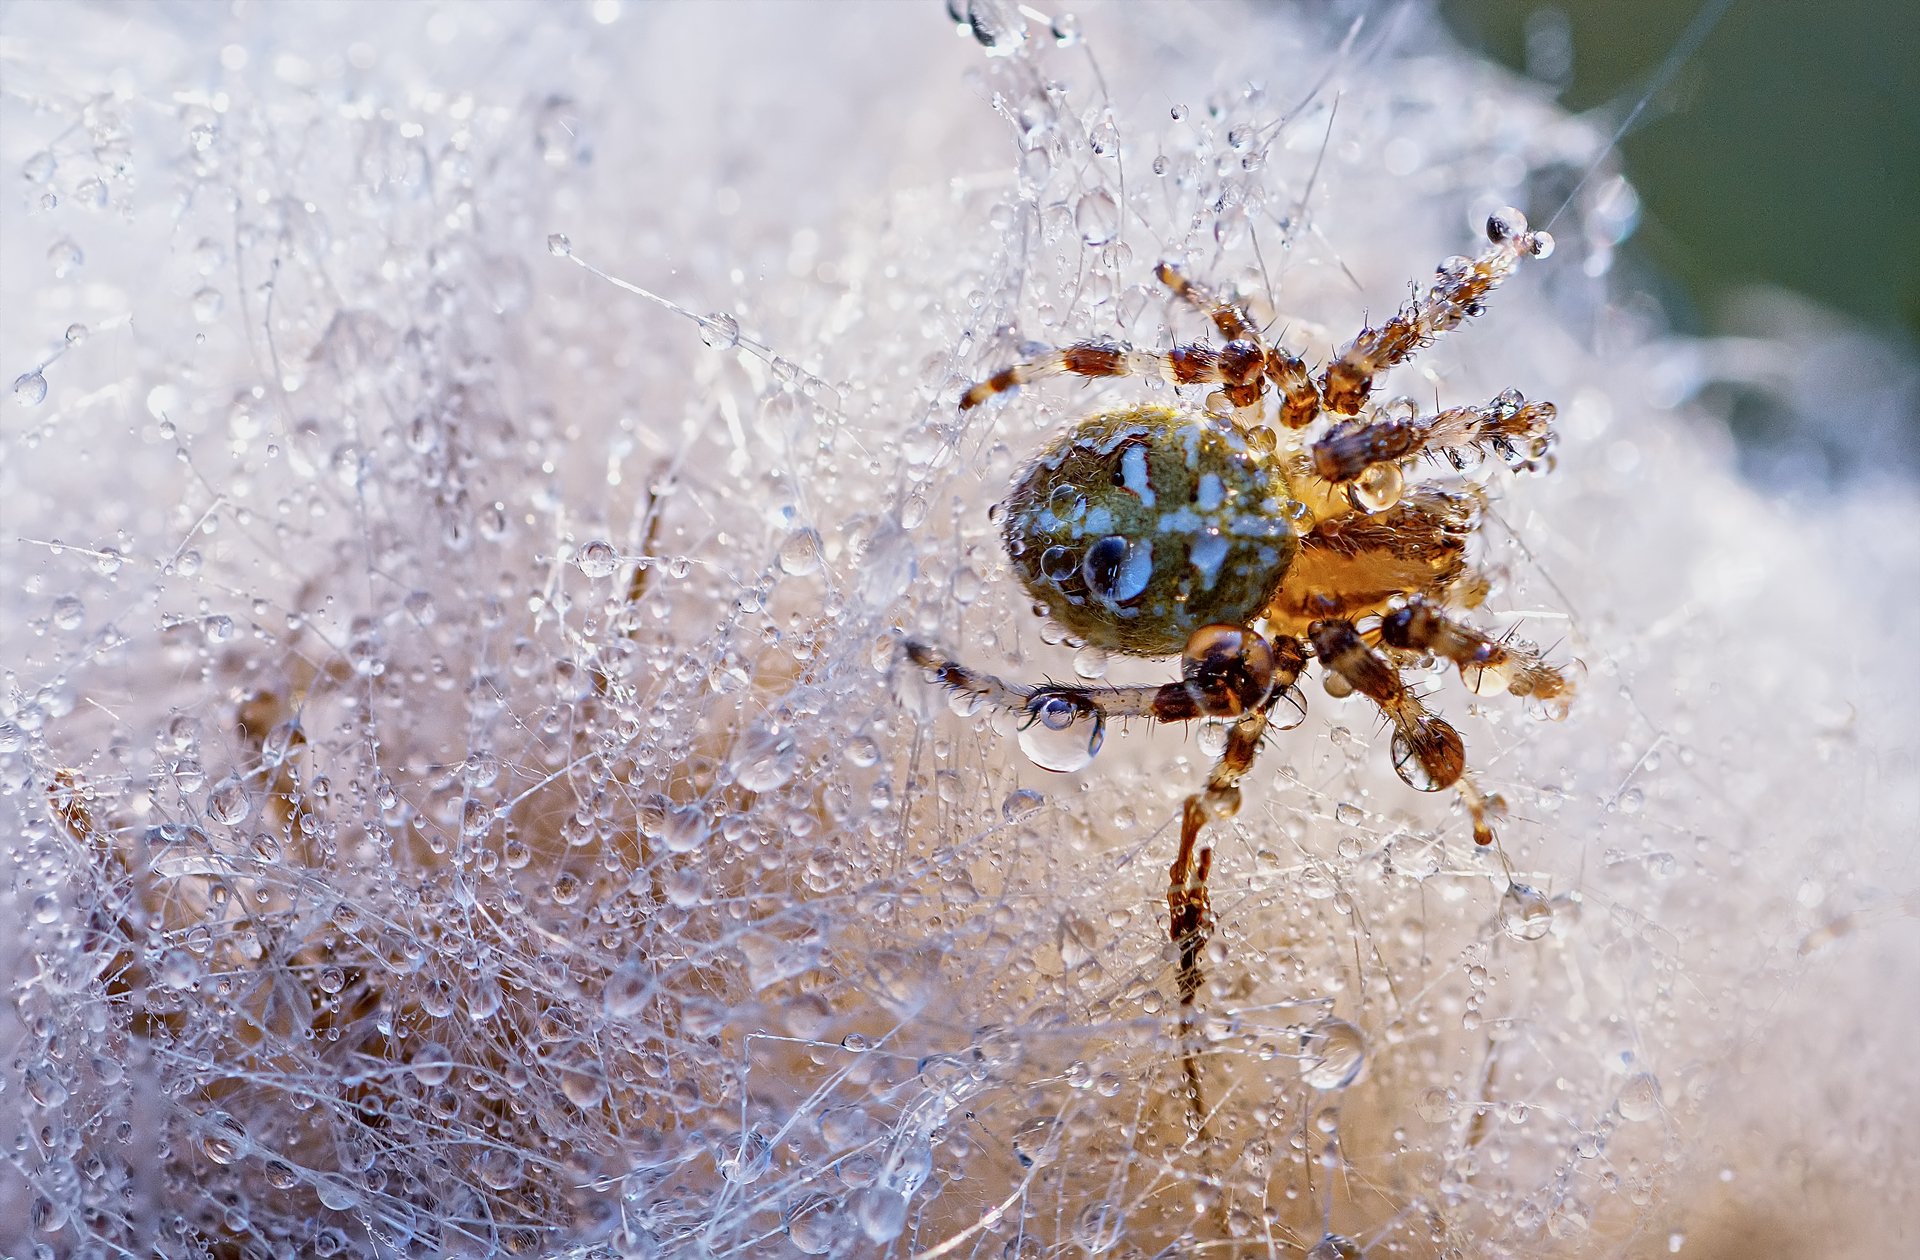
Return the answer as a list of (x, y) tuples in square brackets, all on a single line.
[(1458, 294), (1299, 396), (1189, 907), (1236, 367), (1230, 318), (1428, 754), (1519, 431), (1226, 672), (1486, 663)]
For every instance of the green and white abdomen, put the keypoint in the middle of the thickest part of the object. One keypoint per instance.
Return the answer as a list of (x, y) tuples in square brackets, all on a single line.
[(1139, 526)]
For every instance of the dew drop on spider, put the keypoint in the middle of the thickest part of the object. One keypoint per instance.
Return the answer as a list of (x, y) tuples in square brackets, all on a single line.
[(1058, 734), (1377, 489)]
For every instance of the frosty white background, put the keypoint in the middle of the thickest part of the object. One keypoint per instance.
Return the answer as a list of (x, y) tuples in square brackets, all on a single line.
[(459, 796)]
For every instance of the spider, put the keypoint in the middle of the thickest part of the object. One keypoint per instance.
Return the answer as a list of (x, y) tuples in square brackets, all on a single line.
[(1248, 549)]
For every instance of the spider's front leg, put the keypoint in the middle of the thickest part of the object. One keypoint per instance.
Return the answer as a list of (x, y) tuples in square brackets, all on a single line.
[(1457, 295), (1236, 367)]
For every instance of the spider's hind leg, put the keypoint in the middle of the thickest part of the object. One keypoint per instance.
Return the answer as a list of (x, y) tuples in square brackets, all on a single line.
[(1486, 662), (1428, 753)]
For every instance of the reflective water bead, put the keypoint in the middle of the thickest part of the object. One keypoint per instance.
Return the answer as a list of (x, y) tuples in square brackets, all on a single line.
[(720, 331), (30, 388), (1332, 1054), (1526, 914), (1097, 217), (1061, 735), (597, 558), (1639, 1098)]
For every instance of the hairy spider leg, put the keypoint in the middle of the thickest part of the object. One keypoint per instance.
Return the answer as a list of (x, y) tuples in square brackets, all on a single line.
[(1230, 318), (1485, 662), (1518, 431), (1299, 396), (1236, 367), (1457, 295), (1226, 671), (1428, 754)]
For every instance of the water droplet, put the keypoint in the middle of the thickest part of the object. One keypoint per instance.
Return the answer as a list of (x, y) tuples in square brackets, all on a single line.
[(559, 246), (30, 388), (764, 761), (336, 1194), (229, 802), (720, 330), (432, 1063), (1097, 217), (1332, 1053), (206, 305), (1037, 1142), (598, 558), (69, 612), (222, 1138), (1376, 489), (626, 990), (583, 1081), (1506, 224), (1526, 914), (1099, 1227), (1061, 734), (997, 25), (1334, 1247), (1090, 662), (1639, 1098), (800, 553), (64, 256), (77, 333), (862, 751), (1020, 804), (1437, 1104), (177, 970), (1437, 764), (880, 1211), (815, 1225), (39, 168), (683, 829)]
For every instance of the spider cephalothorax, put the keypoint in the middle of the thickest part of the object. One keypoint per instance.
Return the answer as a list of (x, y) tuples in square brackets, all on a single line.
[(1249, 544)]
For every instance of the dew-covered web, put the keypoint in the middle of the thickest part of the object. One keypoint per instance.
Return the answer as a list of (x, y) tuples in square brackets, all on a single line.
[(461, 797)]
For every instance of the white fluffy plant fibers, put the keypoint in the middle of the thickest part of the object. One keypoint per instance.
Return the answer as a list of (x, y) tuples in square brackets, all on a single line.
[(459, 797)]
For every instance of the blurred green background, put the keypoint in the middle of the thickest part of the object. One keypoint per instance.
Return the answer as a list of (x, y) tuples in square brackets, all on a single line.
[(1786, 150)]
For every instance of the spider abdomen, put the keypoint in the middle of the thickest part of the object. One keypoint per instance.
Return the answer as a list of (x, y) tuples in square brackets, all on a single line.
[(1139, 526)]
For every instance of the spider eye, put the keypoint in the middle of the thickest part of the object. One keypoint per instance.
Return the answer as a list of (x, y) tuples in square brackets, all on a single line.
[(1116, 570)]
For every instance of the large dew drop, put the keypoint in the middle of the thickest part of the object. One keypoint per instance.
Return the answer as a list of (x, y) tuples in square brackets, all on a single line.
[(1525, 913), (1061, 734), (1332, 1053)]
